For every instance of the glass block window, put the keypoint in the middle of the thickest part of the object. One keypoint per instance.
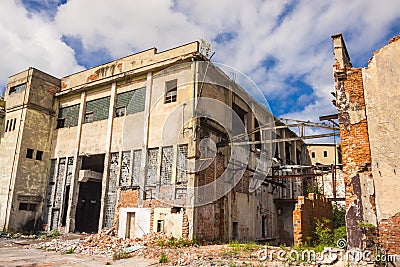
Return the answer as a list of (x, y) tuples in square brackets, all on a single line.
[(137, 157), (182, 164), (133, 101), (125, 179), (166, 164), (152, 164), (99, 108), (68, 116)]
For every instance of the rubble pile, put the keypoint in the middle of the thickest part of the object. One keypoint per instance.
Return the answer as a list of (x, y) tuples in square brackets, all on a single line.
[(154, 246)]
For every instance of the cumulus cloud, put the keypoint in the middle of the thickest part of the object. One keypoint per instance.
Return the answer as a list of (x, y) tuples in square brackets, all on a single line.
[(284, 46), (28, 40)]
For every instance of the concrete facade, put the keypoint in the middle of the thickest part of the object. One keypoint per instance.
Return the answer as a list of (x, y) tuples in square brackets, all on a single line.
[(368, 104), (127, 145)]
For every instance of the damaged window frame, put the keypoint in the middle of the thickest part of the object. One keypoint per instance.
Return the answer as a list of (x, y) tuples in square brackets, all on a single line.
[(120, 111), (27, 206), (17, 88), (171, 91), (89, 117)]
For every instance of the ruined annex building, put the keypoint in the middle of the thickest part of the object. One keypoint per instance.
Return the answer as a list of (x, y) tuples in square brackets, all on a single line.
[(368, 102), (132, 144)]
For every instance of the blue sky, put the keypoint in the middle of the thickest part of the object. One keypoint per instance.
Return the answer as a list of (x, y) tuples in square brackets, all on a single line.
[(283, 46)]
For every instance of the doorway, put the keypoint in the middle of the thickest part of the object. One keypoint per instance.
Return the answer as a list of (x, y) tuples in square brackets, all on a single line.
[(130, 225), (89, 197)]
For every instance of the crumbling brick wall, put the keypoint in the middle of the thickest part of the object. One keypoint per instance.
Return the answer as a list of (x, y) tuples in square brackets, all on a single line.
[(389, 234), (307, 211)]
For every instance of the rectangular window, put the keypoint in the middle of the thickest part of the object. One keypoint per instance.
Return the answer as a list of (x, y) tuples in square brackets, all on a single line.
[(15, 122), (125, 178), (152, 166), (11, 125), (325, 154), (99, 108), (171, 91), (17, 88), (313, 155), (166, 164), (27, 206), (68, 116), (182, 164), (120, 112), (8, 121), (133, 101), (29, 153), (160, 225), (89, 117), (39, 155)]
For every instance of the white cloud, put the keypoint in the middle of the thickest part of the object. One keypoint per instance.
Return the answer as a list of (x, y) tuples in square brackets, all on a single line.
[(299, 45), (28, 40)]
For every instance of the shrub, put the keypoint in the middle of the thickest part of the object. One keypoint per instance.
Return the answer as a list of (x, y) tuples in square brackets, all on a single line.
[(163, 258)]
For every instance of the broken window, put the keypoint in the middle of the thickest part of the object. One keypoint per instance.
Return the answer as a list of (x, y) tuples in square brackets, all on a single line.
[(39, 155), (27, 206), (171, 91), (182, 164), (152, 165), (137, 156), (131, 102), (68, 116), (29, 153), (17, 88), (166, 164), (89, 117), (120, 112), (98, 108), (125, 179), (111, 196)]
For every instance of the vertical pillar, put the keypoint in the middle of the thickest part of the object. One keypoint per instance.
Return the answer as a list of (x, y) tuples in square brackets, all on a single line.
[(106, 170), (147, 107), (73, 193)]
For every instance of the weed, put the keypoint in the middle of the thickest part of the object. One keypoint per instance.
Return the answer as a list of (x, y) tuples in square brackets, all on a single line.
[(163, 258), (120, 254)]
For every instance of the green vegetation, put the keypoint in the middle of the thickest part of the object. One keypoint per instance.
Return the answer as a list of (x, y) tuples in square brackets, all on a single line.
[(163, 258), (120, 254), (176, 243), (249, 246)]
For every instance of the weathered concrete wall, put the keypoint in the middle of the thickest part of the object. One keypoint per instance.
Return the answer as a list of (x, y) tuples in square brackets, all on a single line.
[(382, 97)]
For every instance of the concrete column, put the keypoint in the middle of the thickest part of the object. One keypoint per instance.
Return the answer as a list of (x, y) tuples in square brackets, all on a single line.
[(74, 189), (106, 170), (147, 107)]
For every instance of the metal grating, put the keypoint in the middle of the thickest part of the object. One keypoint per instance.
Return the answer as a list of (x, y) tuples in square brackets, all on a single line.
[(152, 164), (125, 179), (182, 164), (166, 164), (137, 157), (111, 197)]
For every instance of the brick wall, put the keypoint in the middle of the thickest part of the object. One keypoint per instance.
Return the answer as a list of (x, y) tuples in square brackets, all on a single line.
[(389, 234), (307, 211)]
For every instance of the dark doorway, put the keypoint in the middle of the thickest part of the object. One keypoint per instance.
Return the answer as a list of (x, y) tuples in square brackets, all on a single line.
[(88, 208), (89, 198)]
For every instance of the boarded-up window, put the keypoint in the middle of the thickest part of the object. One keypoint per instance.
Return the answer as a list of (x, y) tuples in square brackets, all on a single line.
[(166, 164), (99, 108), (125, 179), (152, 164), (132, 100), (68, 116), (182, 164)]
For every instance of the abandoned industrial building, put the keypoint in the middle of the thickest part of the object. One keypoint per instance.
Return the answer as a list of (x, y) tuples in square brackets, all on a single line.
[(368, 103), (133, 144)]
